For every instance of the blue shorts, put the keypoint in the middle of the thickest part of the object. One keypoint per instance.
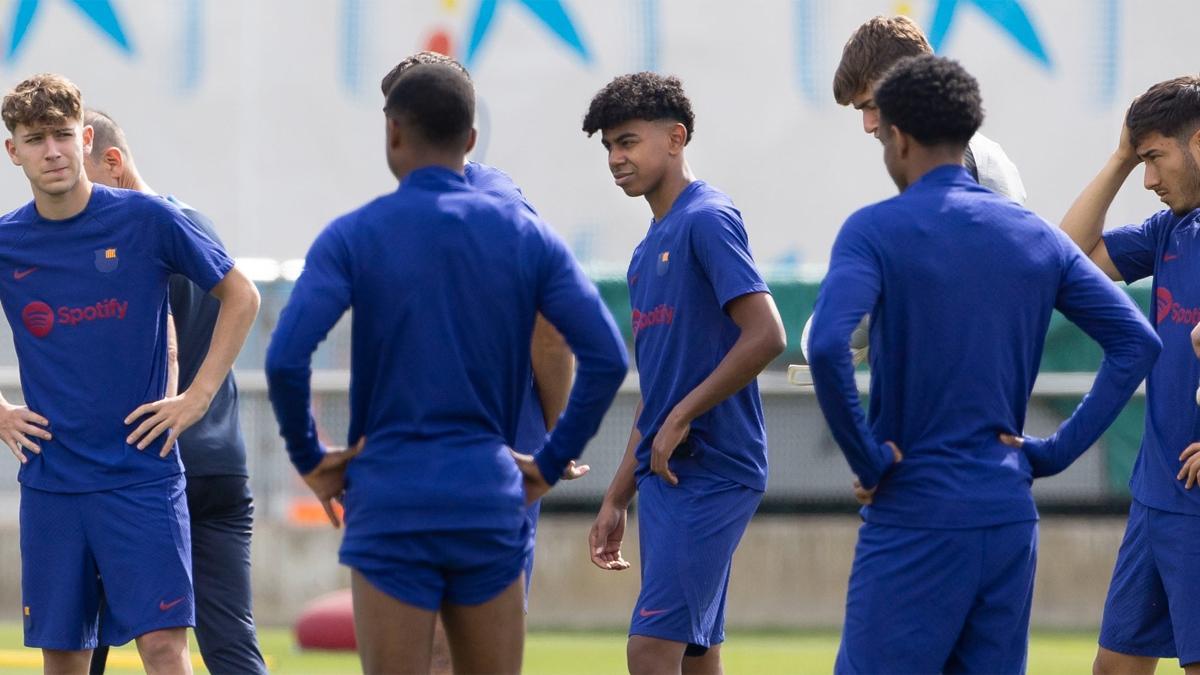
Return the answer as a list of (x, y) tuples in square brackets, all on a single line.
[(132, 544), (1153, 605), (688, 534), (933, 601), (425, 569)]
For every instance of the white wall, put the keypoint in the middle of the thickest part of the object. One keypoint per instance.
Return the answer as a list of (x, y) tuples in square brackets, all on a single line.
[(265, 113)]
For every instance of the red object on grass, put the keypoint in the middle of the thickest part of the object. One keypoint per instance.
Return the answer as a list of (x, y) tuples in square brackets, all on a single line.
[(327, 623)]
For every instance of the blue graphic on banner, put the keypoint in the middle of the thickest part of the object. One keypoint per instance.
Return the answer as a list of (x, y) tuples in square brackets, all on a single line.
[(100, 12), (192, 54), (1110, 24), (550, 13), (351, 44), (809, 31), (1009, 14)]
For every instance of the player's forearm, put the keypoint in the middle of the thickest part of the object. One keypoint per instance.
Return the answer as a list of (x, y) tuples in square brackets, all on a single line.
[(1084, 221), (553, 365), (239, 307), (759, 343), (624, 483), (172, 357)]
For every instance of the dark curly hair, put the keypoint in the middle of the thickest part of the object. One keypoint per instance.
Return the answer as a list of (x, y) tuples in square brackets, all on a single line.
[(1171, 108), (640, 96), (931, 98), (419, 59)]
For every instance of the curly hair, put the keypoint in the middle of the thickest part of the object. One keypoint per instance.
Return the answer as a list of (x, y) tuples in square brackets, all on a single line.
[(876, 46), (1172, 108), (640, 96), (42, 99), (419, 59), (933, 99)]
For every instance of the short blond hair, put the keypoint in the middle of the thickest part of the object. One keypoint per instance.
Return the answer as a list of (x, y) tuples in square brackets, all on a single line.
[(43, 99)]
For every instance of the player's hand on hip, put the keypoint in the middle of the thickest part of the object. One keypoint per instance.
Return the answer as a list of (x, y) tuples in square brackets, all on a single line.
[(19, 426), (535, 484), (172, 415), (862, 495), (328, 480), (604, 540), (1190, 472), (666, 441), (1196, 340)]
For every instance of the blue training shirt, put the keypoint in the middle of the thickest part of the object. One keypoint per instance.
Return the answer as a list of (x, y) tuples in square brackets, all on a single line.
[(1168, 247), (213, 446), (445, 282), (531, 427), (86, 298), (683, 274), (960, 284)]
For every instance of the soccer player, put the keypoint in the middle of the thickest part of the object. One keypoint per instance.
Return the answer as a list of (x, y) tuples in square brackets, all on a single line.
[(1152, 604), (704, 326), (213, 452), (876, 46), (84, 287), (445, 282), (960, 283), (551, 361), (873, 48)]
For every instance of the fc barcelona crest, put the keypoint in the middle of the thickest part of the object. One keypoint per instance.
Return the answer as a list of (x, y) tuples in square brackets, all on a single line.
[(106, 259)]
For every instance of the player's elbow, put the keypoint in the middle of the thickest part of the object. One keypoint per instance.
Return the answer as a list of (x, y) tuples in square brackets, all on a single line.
[(1149, 347), (824, 351)]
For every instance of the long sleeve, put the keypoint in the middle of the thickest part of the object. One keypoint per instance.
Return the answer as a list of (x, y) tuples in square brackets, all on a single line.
[(851, 289), (1130, 345), (569, 300), (321, 295)]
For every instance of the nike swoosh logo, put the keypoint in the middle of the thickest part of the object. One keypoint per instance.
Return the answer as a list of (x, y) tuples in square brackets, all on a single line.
[(164, 606), (21, 274), (651, 612), (1169, 257)]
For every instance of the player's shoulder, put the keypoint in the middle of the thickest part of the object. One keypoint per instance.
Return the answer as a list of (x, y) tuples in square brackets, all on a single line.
[(20, 216), (707, 206), (489, 178)]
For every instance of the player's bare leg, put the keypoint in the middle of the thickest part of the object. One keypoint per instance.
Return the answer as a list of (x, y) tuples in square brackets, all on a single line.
[(709, 664), (165, 652), (652, 656), (393, 636), (1109, 662), (55, 661), (488, 638), (439, 663)]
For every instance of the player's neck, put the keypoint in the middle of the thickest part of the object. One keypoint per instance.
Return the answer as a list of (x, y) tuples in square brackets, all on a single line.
[(65, 205), (929, 159), (132, 180), (663, 197)]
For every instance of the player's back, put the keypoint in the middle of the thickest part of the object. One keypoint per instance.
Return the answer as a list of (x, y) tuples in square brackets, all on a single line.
[(968, 284), (445, 287)]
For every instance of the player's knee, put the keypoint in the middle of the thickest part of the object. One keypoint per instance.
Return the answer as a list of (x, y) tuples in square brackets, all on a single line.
[(162, 648)]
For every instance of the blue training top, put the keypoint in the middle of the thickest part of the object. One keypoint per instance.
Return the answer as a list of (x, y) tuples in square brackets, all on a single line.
[(87, 301), (213, 446), (960, 284), (681, 278), (531, 427), (1168, 247), (445, 282)]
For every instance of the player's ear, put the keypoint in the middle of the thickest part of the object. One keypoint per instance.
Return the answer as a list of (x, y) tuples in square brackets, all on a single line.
[(1193, 144), (677, 136), (89, 136), (394, 134), (11, 147), (113, 161), (471, 141), (902, 141)]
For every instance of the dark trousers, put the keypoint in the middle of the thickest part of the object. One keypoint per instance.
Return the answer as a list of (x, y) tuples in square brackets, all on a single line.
[(222, 512)]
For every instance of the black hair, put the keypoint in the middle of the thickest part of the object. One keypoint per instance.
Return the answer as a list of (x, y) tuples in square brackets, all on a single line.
[(640, 96), (931, 98), (1172, 108), (418, 59), (436, 101)]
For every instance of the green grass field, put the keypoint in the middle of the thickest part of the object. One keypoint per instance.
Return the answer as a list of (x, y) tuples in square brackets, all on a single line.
[(601, 654)]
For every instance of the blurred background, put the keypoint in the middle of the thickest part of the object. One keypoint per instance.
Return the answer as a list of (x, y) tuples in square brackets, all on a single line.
[(265, 115)]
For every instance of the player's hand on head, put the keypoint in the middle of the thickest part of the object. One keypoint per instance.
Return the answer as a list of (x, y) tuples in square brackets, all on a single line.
[(19, 426), (574, 471), (1190, 471), (535, 484), (1196, 340), (328, 480), (172, 415), (668, 438), (604, 539)]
